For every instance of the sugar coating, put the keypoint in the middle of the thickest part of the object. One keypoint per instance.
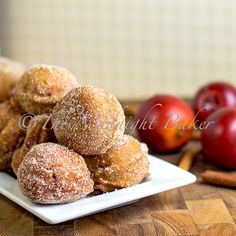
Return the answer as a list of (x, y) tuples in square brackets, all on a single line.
[(88, 120), (42, 86), (11, 138), (38, 131), (124, 165), (53, 174), (6, 113), (10, 72)]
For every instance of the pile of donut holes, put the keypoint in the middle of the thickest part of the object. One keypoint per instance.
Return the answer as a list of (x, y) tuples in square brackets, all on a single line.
[(63, 140)]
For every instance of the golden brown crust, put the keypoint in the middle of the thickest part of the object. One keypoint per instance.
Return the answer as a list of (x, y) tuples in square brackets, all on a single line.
[(121, 166), (6, 113), (10, 72), (38, 131), (41, 87), (88, 120), (11, 138), (52, 174)]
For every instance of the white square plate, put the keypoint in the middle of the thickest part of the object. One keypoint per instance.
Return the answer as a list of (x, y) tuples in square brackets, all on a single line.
[(164, 176)]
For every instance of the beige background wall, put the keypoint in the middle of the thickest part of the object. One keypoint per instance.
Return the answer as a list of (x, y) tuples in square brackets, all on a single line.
[(134, 48)]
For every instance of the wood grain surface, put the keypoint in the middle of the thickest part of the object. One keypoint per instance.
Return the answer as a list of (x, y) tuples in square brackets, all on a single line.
[(196, 209)]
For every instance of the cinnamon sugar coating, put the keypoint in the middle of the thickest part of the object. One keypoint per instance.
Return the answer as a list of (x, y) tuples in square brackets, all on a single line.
[(124, 165), (41, 87), (39, 131), (11, 137), (6, 112), (10, 72), (89, 120), (53, 174)]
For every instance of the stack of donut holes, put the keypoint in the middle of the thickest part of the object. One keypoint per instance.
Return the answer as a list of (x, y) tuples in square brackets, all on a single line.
[(63, 140)]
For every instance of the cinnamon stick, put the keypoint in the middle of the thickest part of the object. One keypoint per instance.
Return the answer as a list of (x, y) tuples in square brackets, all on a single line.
[(131, 109), (187, 159), (196, 135), (219, 178)]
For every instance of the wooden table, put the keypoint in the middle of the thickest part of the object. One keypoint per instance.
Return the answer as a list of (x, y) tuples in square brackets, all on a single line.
[(196, 209)]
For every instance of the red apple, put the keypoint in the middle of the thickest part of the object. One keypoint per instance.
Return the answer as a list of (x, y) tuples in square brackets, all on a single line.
[(165, 123), (212, 97), (219, 139)]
